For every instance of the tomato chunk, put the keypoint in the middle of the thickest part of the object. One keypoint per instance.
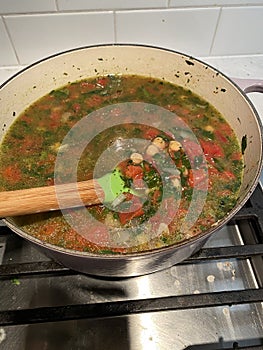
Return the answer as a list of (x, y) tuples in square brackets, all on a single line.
[(198, 179), (192, 149), (102, 82), (135, 210), (150, 133), (134, 172), (228, 175), (12, 174), (212, 149), (126, 217), (98, 235)]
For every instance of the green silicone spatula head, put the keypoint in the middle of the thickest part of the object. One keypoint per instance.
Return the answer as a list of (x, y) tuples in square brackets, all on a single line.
[(113, 186)]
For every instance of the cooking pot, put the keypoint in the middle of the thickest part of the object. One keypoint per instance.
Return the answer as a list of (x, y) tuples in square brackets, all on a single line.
[(35, 81)]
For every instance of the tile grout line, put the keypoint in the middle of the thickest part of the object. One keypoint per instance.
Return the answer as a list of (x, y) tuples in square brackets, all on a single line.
[(58, 11), (11, 40), (132, 9), (114, 27), (215, 32), (56, 5)]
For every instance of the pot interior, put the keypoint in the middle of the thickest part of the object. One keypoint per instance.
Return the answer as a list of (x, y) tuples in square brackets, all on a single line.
[(51, 73)]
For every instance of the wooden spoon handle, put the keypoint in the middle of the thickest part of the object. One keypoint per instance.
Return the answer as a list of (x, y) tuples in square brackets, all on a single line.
[(40, 199)]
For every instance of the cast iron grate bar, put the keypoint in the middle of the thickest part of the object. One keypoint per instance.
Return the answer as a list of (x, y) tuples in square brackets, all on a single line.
[(255, 347), (237, 251), (235, 346), (128, 307), (247, 344), (52, 267), (34, 268)]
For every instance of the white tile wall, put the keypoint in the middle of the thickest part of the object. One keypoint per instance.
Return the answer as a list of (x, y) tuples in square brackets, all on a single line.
[(185, 3), (7, 54), (37, 36), (109, 5), (32, 29), (6, 73), (189, 30), (239, 31), (24, 6)]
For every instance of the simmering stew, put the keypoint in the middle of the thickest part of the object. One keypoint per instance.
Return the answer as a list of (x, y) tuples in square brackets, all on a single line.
[(195, 159)]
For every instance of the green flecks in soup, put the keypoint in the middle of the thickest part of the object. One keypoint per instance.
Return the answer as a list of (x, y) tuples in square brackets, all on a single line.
[(196, 159)]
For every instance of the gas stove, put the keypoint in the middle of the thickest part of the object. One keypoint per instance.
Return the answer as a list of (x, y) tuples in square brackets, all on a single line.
[(213, 300)]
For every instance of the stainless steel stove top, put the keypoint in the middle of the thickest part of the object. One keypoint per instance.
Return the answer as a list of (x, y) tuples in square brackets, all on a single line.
[(211, 301)]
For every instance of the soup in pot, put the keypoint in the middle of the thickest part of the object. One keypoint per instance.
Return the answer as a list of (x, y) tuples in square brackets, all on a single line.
[(178, 155)]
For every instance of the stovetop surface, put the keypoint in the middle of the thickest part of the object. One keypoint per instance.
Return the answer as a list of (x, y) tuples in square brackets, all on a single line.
[(211, 301)]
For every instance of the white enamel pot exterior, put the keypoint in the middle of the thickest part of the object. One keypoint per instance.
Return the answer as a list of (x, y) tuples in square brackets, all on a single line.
[(53, 72)]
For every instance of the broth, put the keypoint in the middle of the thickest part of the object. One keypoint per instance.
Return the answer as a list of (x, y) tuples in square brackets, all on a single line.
[(196, 157)]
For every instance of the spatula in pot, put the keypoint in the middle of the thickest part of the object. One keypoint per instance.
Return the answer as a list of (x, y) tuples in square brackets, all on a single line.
[(107, 189)]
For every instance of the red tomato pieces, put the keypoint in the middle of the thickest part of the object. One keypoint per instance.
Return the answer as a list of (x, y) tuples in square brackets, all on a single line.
[(198, 179), (192, 149), (212, 149), (12, 173), (228, 175), (151, 133), (134, 172), (135, 210), (98, 235), (102, 82)]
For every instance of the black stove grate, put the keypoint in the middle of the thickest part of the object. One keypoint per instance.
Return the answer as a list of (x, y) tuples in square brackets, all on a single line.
[(128, 307)]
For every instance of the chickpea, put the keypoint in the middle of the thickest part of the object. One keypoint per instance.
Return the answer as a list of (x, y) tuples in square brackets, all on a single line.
[(152, 150), (209, 128), (55, 146), (185, 171), (176, 182), (174, 146), (159, 142), (136, 158)]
